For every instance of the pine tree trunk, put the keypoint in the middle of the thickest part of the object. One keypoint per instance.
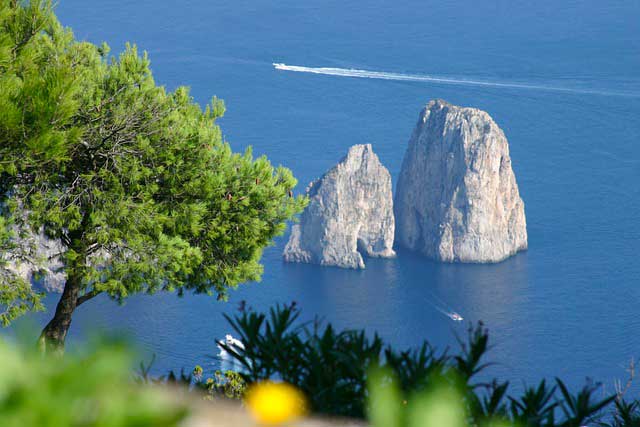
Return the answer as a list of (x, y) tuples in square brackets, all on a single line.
[(54, 334)]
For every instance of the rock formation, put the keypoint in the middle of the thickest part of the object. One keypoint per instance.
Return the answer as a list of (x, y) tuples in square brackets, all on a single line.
[(457, 199), (350, 214), (46, 270)]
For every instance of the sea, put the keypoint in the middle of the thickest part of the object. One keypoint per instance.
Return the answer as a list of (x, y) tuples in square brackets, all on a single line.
[(561, 78)]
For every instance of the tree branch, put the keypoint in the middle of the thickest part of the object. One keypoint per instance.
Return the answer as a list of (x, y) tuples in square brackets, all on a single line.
[(87, 296)]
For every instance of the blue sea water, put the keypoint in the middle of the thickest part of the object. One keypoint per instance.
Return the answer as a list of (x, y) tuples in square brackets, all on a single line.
[(567, 307)]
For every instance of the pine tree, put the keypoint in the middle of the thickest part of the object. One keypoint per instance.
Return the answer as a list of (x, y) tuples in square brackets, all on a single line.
[(136, 182)]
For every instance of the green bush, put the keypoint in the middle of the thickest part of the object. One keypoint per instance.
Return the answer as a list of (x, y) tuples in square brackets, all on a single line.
[(347, 373), (92, 389), (228, 384)]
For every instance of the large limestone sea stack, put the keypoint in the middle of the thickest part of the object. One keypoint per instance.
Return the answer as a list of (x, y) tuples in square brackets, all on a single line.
[(350, 214), (457, 199)]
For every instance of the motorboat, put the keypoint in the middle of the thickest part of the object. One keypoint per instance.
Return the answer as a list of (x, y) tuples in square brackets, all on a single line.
[(230, 342), (455, 316)]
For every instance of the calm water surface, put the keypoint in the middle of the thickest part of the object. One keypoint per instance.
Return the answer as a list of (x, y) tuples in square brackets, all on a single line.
[(567, 307)]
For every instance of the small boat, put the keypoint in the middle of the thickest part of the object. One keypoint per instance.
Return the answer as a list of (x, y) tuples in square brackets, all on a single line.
[(456, 317), (229, 341)]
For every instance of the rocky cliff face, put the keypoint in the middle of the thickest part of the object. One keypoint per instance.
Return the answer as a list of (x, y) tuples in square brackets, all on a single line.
[(46, 272), (457, 199), (350, 214)]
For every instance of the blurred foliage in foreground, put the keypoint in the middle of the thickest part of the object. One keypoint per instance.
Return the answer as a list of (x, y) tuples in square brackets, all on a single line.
[(349, 374), (339, 372), (93, 389)]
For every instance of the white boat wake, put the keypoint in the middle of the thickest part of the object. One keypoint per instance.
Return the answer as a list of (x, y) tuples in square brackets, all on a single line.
[(382, 75), (438, 303), (451, 314)]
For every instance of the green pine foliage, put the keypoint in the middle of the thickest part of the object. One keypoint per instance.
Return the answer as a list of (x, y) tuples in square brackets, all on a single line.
[(135, 181)]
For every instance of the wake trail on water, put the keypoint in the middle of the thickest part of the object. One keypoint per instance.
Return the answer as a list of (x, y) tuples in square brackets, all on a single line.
[(449, 314), (441, 306), (383, 75)]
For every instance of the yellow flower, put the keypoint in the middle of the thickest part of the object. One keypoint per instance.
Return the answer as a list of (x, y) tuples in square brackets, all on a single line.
[(275, 403)]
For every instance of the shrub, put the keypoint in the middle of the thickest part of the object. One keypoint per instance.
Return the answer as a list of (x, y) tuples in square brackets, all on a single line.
[(228, 384), (349, 374), (84, 389)]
